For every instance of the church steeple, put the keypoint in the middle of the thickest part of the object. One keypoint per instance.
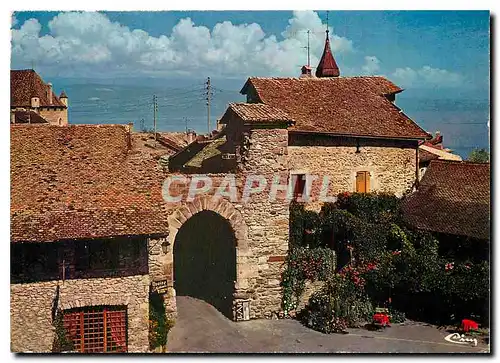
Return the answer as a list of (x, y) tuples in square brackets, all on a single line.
[(327, 66)]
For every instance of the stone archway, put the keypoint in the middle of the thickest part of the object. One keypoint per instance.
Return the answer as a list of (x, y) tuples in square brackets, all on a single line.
[(205, 261), (234, 219)]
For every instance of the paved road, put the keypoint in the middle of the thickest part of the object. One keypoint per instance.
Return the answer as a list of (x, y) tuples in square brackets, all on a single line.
[(201, 328)]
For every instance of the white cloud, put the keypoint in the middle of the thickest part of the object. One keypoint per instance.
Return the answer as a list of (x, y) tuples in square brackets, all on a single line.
[(371, 66), (427, 76), (89, 41)]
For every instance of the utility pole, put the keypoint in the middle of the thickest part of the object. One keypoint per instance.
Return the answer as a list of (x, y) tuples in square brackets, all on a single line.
[(208, 104), (155, 112), (308, 49)]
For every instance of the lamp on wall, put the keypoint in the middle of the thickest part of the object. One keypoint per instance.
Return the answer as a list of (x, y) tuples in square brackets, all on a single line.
[(164, 246), (357, 146)]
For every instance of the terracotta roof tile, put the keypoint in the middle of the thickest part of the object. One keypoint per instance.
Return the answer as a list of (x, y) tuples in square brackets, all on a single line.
[(25, 84), (258, 112), (425, 156), (354, 106), (454, 198), (82, 181)]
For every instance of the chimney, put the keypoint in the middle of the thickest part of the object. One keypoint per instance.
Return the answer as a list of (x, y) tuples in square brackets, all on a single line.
[(306, 71), (50, 92), (437, 140), (191, 136)]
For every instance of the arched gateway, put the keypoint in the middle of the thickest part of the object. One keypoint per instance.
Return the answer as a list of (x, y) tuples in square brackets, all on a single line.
[(208, 252), (205, 260)]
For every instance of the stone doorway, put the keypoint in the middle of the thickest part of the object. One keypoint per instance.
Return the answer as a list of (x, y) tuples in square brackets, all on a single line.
[(205, 260)]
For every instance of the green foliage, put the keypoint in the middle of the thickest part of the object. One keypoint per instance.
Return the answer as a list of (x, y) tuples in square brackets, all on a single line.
[(397, 316), (372, 208), (303, 264), (159, 324), (340, 304), (61, 341), (319, 313), (479, 156), (391, 262)]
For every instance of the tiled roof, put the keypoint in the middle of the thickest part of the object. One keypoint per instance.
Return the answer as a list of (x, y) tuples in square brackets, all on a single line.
[(425, 156), (353, 106), (28, 117), (82, 181), (258, 112), (25, 84), (453, 198), (210, 150), (427, 153)]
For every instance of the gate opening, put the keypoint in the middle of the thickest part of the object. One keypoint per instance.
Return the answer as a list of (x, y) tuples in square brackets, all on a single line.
[(205, 260)]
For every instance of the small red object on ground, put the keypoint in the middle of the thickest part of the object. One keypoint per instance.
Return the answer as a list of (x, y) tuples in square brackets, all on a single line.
[(469, 325), (381, 319)]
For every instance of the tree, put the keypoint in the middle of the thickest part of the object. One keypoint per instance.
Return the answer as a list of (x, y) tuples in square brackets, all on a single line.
[(479, 156)]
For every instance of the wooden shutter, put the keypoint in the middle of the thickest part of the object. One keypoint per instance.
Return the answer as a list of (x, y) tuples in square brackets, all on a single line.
[(362, 182), (300, 184)]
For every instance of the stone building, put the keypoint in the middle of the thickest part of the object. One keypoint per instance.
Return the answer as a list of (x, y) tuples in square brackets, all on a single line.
[(85, 199), (303, 138), (34, 101), (213, 217)]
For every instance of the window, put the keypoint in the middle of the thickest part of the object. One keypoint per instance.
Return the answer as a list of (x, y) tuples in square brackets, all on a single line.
[(363, 182), (299, 187), (96, 329), (34, 262), (97, 255)]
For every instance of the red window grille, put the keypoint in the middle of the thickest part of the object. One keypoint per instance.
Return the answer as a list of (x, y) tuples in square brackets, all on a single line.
[(97, 329)]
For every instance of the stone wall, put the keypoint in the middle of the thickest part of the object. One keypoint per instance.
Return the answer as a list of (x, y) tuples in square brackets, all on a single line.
[(31, 308), (392, 169), (53, 116), (260, 226), (267, 223)]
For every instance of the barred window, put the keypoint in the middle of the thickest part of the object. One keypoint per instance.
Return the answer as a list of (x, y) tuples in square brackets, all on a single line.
[(97, 329)]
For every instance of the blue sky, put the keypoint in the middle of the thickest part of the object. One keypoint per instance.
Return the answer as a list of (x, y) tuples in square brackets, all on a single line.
[(419, 49), (441, 58)]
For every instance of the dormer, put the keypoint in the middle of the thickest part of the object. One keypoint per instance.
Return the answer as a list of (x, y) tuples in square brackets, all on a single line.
[(35, 102)]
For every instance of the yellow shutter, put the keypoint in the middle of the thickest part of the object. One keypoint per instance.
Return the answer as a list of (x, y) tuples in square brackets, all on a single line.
[(362, 182)]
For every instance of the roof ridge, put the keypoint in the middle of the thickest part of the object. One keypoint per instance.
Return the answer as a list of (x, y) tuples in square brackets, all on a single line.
[(468, 162)]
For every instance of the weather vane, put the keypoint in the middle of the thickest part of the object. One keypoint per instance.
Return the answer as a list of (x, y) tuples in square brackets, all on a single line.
[(327, 21)]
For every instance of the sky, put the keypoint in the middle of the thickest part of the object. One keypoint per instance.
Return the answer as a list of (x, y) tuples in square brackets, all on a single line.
[(440, 58), (422, 49)]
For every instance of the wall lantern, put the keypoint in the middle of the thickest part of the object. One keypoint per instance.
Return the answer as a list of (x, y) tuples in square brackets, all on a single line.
[(357, 146), (164, 246)]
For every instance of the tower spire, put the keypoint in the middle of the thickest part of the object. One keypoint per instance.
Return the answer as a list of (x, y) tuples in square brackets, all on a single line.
[(327, 66)]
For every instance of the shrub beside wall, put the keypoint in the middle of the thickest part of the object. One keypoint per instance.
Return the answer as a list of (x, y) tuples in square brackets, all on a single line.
[(379, 262)]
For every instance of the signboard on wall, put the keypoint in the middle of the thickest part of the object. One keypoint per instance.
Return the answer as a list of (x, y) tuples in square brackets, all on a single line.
[(160, 286)]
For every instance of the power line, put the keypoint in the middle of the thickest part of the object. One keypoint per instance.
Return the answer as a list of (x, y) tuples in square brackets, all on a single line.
[(208, 94), (155, 111)]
